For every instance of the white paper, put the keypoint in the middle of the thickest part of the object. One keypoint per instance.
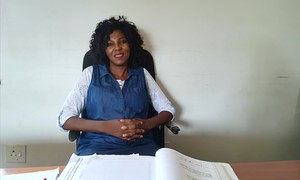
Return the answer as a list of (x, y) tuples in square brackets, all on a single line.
[(124, 167), (176, 166), (74, 167), (168, 164), (39, 175), (109, 167)]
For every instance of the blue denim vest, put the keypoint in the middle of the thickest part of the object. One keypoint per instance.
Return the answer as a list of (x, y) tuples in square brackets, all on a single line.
[(106, 101)]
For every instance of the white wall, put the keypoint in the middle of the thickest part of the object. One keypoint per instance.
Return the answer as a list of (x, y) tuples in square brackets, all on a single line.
[(230, 67)]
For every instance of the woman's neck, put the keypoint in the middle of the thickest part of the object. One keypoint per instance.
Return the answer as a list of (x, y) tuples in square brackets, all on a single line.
[(119, 72)]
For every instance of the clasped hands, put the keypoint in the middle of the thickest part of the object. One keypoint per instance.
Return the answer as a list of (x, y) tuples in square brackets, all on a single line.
[(129, 129)]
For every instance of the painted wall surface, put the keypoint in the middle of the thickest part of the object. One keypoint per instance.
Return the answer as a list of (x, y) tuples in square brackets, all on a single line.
[(231, 68)]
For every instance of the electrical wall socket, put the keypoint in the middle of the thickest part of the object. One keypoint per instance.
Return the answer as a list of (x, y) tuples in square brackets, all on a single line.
[(16, 153)]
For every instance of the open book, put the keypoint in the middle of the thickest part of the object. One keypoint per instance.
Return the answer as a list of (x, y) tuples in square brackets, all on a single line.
[(167, 164)]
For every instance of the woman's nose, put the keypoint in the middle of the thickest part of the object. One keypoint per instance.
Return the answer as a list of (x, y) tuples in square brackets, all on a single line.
[(118, 46)]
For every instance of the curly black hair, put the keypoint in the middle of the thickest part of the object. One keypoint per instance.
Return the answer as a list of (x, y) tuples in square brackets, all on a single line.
[(100, 38)]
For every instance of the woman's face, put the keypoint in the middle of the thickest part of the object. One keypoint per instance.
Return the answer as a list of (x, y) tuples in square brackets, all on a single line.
[(117, 50)]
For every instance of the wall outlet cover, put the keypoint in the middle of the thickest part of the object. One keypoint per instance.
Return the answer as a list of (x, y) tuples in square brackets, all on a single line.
[(15, 153)]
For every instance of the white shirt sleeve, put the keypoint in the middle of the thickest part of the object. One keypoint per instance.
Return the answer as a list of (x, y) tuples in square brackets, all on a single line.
[(75, 101), (159, 101)]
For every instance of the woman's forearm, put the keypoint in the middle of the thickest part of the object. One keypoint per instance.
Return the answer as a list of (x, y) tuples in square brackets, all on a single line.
[(120, 128), (80, 124), (159, 119)]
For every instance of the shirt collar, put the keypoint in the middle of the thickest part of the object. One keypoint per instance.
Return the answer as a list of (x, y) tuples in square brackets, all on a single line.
[(104, 71)]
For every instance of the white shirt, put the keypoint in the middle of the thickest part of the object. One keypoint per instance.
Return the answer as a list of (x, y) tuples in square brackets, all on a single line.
[(76, 100)]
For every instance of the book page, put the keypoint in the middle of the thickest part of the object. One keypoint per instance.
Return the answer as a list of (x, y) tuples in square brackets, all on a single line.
[(172, 165), (167, 166)]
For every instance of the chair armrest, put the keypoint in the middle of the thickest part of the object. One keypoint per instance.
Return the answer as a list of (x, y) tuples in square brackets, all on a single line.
[(174, 129), (73, 135)]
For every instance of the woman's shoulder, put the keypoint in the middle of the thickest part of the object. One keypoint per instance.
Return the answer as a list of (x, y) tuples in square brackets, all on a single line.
[(88, 69)]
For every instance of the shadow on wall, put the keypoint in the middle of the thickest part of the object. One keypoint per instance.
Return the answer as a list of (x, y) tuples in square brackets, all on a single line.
[(178, 119), (297, 120), (230, 149)]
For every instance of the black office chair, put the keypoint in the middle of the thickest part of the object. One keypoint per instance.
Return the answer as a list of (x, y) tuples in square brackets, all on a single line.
[(148, 63)]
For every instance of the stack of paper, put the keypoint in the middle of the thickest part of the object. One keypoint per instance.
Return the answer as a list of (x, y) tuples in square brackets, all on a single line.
[(168, 164)]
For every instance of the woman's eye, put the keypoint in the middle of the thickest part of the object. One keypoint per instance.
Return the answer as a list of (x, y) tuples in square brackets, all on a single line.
[(109, 43), (124, 41)]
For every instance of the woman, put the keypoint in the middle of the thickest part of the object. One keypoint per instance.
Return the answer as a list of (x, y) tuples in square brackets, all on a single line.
[(113, 98)]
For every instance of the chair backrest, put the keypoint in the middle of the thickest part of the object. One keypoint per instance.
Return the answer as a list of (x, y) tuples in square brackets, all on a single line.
[(146, 61)]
